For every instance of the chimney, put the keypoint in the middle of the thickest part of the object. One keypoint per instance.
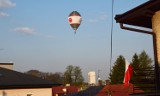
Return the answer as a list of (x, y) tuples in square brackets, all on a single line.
[(107, 82), (100, 83)]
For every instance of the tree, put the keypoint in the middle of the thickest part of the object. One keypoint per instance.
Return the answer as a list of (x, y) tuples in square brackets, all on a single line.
[(117, 72), (144, 60), (68, 74), (135, 61), (78, 78), (140, 63), (55, 77), (73, 75), (36, 73)]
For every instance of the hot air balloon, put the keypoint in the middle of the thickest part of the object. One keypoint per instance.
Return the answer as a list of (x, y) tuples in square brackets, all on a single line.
[(74, 19)]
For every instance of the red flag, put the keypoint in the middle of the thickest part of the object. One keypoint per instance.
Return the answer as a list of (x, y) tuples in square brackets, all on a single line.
[(128, 73)]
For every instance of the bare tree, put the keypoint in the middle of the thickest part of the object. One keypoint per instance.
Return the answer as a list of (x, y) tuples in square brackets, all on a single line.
[(73, 75)]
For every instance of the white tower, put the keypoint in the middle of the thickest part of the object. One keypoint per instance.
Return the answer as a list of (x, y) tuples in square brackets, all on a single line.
[(92, 78)]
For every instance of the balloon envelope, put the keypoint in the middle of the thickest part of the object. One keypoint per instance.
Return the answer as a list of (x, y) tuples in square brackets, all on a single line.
[(74, 19)]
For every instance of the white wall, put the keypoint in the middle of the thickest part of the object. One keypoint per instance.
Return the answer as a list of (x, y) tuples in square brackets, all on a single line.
[(7, 66), (92, 77), (24, 92)]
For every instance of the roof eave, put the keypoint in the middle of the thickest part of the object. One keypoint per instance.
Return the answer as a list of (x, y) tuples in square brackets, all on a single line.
[(29, 86), (137, 11)]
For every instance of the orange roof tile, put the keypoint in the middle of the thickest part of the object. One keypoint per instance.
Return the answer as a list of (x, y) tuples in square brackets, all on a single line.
[(117, 90)]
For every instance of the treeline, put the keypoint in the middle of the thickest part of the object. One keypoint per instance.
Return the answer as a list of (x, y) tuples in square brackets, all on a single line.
[(139, 62), (72, 75), (55, 77)]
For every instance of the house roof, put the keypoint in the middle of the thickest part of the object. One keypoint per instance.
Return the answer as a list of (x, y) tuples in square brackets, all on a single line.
[(6, 63), (13, 79), (91, 91), (118, 90), (59, 89), (141, 15)]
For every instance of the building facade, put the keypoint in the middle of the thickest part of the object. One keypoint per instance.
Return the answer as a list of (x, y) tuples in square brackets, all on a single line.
[(92, 78)]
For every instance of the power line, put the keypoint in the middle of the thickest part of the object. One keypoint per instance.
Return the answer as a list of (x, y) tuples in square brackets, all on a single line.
[(111, 35)]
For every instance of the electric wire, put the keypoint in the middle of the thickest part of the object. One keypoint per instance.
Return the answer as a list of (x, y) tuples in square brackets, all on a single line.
[(111, 53), (111, 48)]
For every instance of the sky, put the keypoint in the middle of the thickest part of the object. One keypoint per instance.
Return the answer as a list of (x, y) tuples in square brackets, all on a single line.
[(35, 34)]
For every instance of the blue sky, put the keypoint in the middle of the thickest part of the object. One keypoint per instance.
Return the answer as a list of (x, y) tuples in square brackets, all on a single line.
[(35, 34)]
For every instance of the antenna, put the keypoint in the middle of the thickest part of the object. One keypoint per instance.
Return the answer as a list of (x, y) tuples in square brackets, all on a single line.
[(98, 74)]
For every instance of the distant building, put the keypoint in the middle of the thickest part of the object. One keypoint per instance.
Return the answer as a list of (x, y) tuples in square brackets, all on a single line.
[(92, 78), (64, 90)]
